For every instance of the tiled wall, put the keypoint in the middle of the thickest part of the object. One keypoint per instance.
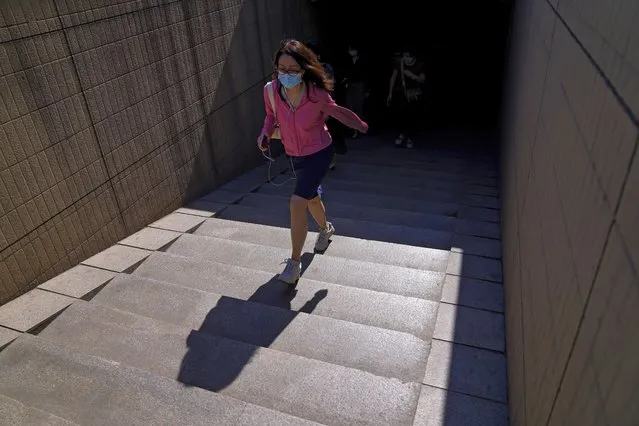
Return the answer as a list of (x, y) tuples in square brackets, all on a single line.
[(571, 213), (111, 116)]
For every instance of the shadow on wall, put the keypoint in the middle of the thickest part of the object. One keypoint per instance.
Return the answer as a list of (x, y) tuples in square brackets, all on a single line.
[(235, 110), (142, 107)]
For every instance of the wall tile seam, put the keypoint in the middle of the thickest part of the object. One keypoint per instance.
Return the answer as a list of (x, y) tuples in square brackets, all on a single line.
[(624, 105), (142, 9), (538, 120), (580, 324), (179, 197), (44, 150), (189, 129), (88, 198), (141, 34), (634, 157), (144, 35), (521, 322), (520, 215), (64, 259), (118, 176), (159, 61), (24, 204), (593, 165), (71, 54), (38, 107), (10, 39), (156, 184), (162, 92), (21, 243), (92, 87), (66, 211), (35, 21), (76, 14), (65, 39)]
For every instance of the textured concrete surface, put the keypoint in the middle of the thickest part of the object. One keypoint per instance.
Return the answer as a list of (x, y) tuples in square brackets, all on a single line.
[(347, 395), (393, 327), (178, 222), (79, 281), (441, 407), (118, 258), (13, 412), (7, 336), (32, 309), (151, 238), (400, 313), (468, 370), (379, 351), (473, 293), (90, 388), (570, 185), (202, 208), (114, 114)]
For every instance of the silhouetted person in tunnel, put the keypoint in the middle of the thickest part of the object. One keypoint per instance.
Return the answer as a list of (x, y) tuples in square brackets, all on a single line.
[(215, 356), (354, 81), (406, 91), (299, 102)]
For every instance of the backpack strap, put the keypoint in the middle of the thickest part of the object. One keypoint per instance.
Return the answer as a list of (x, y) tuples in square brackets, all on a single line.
[(271, 97)]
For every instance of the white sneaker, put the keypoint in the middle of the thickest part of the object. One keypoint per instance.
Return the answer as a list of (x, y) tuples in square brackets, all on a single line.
[(409, 144), (292, 272), (323, 239), (400, 140)]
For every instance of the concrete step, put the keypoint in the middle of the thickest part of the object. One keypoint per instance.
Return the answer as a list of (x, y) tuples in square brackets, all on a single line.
[(421, 258), (474, 177), (84, 389), (367, 307), (410, 178), (295, 385), (278, 215), (375, 189), (387, 215), (425, 156), (14, 412), (286, 185), (461, 167), (378, 351), (390, 176), (424, 175), (252, 238), (395, 202)]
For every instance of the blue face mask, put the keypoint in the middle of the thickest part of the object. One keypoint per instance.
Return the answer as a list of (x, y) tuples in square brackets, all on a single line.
[(290, 80)]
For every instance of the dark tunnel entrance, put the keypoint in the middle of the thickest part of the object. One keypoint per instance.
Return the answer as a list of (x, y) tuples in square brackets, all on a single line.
[(463, 45)]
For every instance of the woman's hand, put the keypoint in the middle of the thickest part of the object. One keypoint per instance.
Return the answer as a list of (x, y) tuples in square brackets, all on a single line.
[(389, 99), (262, 142), (363, 129)]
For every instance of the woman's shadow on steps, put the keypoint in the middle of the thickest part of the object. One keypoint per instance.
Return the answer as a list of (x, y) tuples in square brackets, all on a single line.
[(234, 330)]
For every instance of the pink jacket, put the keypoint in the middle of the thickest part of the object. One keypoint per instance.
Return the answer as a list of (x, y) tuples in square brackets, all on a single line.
[(304, 131)]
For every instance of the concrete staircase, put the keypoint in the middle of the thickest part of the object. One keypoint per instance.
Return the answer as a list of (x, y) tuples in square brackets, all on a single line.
[(400, 322)]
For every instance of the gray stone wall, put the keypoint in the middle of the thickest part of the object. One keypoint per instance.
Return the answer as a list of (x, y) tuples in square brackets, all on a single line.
[(112, 114), (570, 194)]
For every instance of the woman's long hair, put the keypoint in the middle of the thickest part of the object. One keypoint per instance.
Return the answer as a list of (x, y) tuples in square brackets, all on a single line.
[(314, 71)]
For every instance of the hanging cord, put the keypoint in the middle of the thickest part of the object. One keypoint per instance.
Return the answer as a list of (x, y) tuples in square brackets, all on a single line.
[(271, 160)]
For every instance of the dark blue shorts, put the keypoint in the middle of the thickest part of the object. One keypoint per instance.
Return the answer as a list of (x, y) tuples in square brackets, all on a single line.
[(310, 171)]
